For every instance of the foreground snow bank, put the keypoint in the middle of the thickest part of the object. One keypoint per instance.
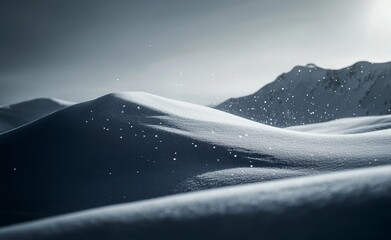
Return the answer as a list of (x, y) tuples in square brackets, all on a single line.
[(355, 204)]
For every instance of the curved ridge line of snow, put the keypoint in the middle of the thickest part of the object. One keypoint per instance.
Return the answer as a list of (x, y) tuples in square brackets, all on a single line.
[(366, 124), (282, 143), (183, 109), (271, 197)]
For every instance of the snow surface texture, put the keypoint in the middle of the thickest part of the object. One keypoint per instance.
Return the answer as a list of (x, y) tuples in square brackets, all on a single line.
[(347, 125), (355, 204), (12, 116), (310, 94), (133, 146)]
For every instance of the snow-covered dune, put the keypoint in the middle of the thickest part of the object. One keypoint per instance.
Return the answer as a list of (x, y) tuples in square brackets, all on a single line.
[(15, 115), (347, 125), (133, 146), (355, 204)]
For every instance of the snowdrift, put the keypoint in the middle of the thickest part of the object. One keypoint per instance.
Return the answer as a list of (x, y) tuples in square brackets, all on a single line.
[(133, 146), (348, 125), (355, 204)]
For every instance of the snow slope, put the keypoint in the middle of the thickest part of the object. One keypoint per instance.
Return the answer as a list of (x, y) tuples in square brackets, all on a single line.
[(310, 94), (133, 146), (15, 115), (348, 125), (355, 204)]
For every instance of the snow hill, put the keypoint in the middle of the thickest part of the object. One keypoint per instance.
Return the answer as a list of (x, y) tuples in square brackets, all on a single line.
[(12, 116), (310, 94), (133, 146), (355, 204)]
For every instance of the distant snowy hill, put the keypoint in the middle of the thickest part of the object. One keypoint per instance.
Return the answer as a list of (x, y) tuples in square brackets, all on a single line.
[(12, 116), (133, 146), (310, 94)]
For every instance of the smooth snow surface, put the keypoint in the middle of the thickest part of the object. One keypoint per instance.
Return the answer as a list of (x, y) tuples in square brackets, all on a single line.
[(355, 204), (15, 115), (133, 146), (310, 94), (347, 125)]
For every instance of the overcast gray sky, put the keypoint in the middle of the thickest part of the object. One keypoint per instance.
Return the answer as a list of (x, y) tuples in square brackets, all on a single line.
[(198, 51)]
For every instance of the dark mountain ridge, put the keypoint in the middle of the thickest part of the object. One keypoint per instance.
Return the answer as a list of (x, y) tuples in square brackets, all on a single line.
[(310, 94)]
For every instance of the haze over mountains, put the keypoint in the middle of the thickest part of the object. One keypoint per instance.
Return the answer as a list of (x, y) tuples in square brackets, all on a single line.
[(310, 94)]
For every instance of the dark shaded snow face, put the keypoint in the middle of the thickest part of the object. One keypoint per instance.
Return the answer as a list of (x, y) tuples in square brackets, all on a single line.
[(99, 153), (301, 208)]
